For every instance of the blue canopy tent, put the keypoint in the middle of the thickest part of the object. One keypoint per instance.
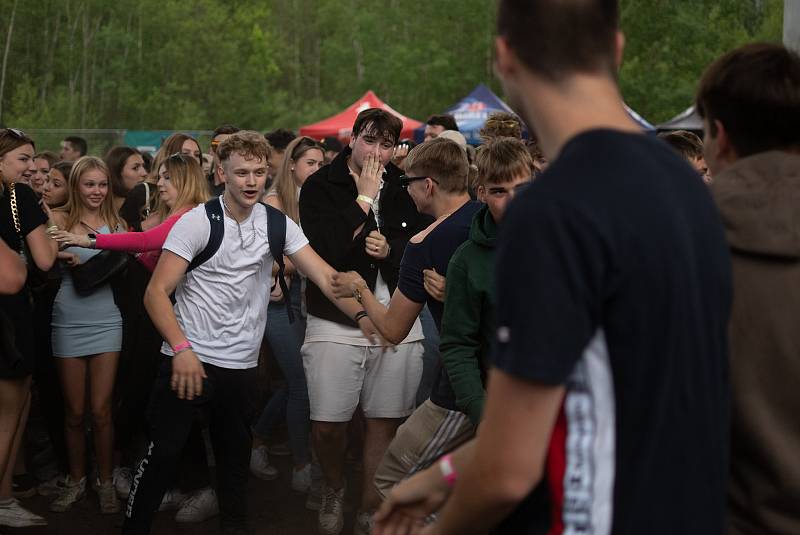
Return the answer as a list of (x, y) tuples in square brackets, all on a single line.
[(471, 113)]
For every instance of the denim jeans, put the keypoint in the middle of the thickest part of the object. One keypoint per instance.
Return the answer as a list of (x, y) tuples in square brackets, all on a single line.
[(286, 339)]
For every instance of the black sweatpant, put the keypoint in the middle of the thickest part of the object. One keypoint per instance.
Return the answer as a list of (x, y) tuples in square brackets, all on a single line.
[(228, 400)]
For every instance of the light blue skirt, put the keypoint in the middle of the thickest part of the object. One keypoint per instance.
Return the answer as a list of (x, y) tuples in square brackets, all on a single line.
[(85, 325)]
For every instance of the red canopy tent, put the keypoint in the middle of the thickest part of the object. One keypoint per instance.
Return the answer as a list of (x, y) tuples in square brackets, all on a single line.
[(341, 124)]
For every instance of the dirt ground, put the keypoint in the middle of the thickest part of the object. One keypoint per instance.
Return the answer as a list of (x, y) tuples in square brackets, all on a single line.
[(275, 509)]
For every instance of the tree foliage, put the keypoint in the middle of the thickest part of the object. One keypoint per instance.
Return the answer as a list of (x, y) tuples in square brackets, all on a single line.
[(173, 64)]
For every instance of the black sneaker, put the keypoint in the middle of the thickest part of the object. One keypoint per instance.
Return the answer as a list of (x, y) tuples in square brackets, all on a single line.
[(24, 486)]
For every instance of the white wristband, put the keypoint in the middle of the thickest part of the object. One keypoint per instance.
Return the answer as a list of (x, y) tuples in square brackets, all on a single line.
[(364, 198)]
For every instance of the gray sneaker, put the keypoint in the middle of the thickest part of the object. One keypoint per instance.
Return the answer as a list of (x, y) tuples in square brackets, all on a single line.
[(363, 524), (72, 493), (331, 512), (107, 493)]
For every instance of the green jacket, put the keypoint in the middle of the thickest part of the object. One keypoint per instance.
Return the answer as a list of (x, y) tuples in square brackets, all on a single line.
[(467, 323)]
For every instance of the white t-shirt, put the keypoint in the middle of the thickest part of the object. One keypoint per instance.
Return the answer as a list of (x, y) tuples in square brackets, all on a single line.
[(221, 305)]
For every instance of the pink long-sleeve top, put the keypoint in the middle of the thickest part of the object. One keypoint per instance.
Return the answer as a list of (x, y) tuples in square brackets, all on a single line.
[(148, 243)]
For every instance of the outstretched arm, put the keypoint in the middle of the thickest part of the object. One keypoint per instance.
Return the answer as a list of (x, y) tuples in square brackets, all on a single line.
[(393, 322), (321, 273), (496, 470)]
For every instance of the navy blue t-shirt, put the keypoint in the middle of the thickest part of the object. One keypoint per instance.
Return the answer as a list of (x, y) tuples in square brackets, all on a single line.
[(435, 251), (613, 279)]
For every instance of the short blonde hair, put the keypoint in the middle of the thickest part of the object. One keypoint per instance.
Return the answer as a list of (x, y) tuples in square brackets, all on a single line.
[(503, 159), (443, 160), (249, 144)]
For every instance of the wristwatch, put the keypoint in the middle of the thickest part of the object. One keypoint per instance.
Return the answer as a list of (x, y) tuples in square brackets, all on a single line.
[(92, 240)]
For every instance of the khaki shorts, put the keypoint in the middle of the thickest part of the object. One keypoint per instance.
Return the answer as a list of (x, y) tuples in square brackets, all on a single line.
[(340, 376), (428, 434)]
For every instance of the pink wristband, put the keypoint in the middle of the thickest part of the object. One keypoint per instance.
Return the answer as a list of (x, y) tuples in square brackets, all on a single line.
[(180, 347), (448, 471)]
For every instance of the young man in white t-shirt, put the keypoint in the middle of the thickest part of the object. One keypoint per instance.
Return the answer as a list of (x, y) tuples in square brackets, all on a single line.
[(213, 333)]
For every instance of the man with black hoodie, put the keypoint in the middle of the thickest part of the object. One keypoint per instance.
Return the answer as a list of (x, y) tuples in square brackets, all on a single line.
[(750, 102), (357, 217)]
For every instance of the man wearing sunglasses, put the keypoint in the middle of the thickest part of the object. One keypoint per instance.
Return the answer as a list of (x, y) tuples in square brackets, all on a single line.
[(437, 182), (357, 217)]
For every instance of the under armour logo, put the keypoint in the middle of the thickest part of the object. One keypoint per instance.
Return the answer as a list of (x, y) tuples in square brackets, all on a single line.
[(215, 217)]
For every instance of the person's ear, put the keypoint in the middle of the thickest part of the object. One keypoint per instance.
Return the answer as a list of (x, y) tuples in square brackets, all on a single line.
[(221, 173), (619, 48), (725, 151), (505, 60)]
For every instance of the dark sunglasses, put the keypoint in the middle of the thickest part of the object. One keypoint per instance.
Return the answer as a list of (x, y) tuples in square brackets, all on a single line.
[(406, 180), (179, 156), (19, 134)]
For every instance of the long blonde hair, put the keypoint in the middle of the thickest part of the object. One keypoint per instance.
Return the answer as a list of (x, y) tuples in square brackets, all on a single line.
[(172, 145), (285, 187), (74, 207), (187, 177)]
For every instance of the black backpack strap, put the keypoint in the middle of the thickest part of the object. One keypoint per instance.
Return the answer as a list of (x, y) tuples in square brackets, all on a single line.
[(217, 219), (276, 234)]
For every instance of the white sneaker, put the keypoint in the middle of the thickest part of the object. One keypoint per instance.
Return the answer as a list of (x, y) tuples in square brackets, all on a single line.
[(200, 506), (331, 513), (12, 514), (301, 479), (123, 480), (173, 500), (69, 495), (52, 486), (363, 524), (259, 464)]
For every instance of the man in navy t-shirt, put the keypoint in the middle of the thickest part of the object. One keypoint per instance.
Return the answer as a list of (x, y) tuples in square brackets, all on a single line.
[(436, 180), (609, 395)]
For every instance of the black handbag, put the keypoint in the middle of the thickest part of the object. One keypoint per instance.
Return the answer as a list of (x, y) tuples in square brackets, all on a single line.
[(98, 270)]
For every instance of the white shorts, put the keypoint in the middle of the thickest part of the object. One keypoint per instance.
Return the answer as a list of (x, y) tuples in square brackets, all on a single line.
[(339, 376)]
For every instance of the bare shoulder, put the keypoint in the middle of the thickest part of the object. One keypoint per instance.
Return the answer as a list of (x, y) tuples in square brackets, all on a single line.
[(272, 199), (417, 238)]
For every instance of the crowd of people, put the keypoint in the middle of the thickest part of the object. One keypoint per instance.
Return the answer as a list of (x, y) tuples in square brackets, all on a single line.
[(580, 327)]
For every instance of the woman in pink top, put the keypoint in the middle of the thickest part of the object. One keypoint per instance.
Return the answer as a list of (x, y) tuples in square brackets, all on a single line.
[(181, 187)]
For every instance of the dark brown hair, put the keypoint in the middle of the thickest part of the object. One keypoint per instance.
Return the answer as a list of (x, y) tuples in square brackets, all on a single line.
[(379, 122), (754, 91), (445, 120), (555, 38), (443, 160), (11, 138), (684, 142), (115, 160)]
